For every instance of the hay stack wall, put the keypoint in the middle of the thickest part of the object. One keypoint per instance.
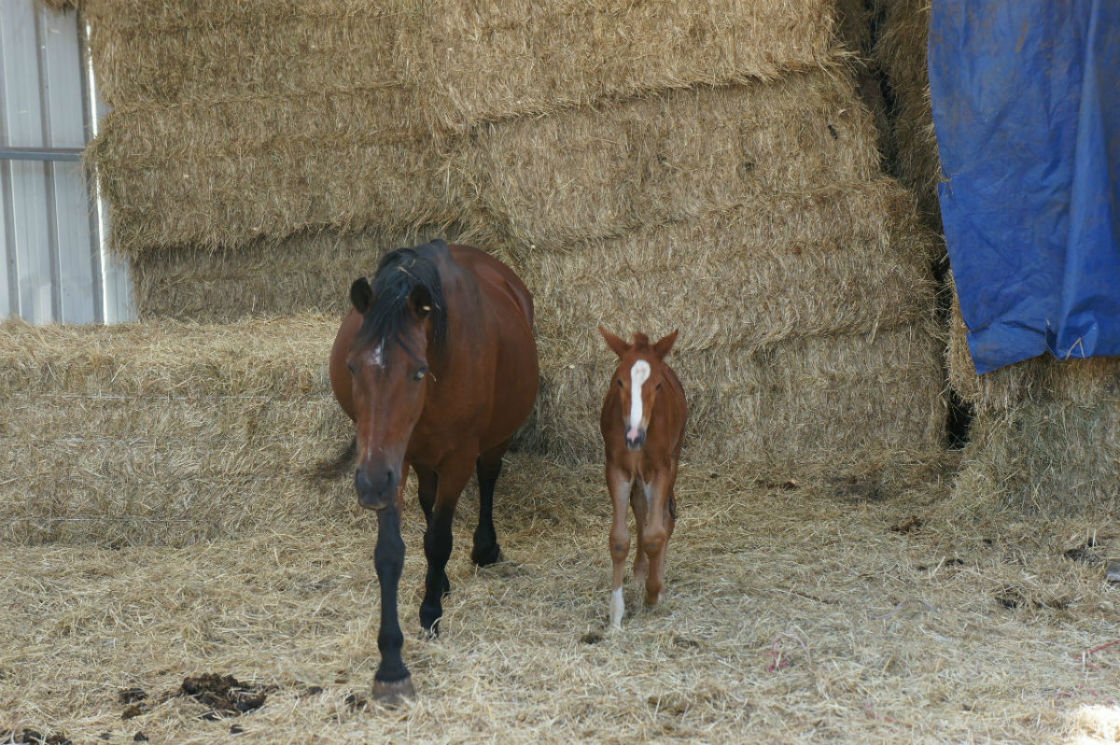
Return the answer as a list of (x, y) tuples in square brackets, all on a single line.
[(728, 184)]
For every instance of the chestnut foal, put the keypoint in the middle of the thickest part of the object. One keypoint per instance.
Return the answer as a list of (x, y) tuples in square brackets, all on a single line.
[(643, 420)]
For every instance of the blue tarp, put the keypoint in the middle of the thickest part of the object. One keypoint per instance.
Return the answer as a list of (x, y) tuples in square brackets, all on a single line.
[(1026, 106)]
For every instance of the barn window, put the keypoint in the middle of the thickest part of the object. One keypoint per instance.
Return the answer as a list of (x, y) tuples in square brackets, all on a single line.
[(56, 265)]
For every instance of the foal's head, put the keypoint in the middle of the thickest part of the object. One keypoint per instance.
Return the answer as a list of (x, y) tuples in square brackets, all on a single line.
[(638, 377), (403, 320)]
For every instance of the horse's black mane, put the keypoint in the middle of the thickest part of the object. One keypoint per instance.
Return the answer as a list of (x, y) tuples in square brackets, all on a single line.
[(398, 274)]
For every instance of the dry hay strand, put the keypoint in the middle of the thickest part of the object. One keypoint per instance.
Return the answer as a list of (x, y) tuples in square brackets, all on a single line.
[(795, 408), (792, 615), (601, 172), (164, 433), (900, 53), (472, 62), (846, 259), (307, 272)]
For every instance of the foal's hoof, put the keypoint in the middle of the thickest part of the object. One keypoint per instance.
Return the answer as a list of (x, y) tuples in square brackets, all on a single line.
[(486, 555), (395, 692)]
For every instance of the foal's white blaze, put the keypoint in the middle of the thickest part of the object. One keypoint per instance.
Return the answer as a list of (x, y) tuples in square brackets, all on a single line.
[(379, 355), (617, 608), (639, 374)]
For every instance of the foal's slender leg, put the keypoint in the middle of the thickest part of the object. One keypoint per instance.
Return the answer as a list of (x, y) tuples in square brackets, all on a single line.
[(658, 528), (489, 466), (618, 483), (639, 503), (453, 476), (392, 680)]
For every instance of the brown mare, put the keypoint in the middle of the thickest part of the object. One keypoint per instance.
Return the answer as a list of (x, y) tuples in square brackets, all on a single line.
[(643, 420), (437, 366)]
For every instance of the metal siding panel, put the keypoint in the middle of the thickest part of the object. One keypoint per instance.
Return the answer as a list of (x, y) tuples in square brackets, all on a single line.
[(23, 126), (66, 128)]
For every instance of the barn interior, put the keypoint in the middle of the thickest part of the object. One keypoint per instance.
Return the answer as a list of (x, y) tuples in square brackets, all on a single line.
[(874, 544)]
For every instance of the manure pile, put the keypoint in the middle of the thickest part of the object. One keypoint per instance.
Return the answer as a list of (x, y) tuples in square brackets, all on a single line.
[(702, 165)]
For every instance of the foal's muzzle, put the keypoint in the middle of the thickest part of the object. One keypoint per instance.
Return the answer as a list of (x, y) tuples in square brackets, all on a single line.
[(376, 487), (636, 441)]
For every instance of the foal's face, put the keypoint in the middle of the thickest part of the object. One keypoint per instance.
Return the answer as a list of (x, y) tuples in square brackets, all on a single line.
[(638, 378)]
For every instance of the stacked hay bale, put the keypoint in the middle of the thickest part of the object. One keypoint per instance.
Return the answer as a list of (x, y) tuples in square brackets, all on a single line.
[(165, 433), (702, 165)]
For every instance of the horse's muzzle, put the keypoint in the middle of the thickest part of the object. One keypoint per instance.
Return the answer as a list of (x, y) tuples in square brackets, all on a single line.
[(377, 488), (637, 441)]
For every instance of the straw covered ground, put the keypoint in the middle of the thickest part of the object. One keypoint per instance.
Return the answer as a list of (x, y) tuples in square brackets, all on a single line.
[(794, 614)]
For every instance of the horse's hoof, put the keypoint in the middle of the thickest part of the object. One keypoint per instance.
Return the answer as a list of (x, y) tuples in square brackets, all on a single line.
[(429, 621), (393, 693), (487, 556)]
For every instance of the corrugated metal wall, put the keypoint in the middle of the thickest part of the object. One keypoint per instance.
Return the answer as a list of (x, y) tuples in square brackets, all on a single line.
[(56, 267)]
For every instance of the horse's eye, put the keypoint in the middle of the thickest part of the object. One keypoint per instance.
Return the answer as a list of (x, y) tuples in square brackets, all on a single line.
[(420, 374), (657, 387), (620, 383), (353, 368)]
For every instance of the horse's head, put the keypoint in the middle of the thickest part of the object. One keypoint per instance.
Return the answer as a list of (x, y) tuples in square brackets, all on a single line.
[(638, 377), (403, 320)]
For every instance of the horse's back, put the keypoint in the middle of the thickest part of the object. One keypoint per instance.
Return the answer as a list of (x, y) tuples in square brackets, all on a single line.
[(511, 314)]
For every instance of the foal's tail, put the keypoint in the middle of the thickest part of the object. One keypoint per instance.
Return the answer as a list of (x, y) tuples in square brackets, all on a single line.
[(328, 470)]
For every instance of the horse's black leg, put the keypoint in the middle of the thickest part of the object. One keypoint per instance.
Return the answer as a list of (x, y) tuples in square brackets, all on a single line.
[(429, 482), (486, 549), (391, 681), (437, 547)]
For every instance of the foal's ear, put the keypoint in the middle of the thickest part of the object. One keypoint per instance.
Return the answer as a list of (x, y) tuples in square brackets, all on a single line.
[(664, 344), (420, 302), (618, 346), (361, 295)]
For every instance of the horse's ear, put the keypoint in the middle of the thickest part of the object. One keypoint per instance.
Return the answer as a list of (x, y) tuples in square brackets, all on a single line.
[(617, 345), (361, 295), (420, 302), (664, 344)]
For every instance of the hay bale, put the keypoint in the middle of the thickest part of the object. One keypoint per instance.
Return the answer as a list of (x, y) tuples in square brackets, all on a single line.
[(165, 433), (1049, 457), (307, 272), (473, 62), (215, 176), (900, 54), (843, 260), (1044, 440), (677, 155), (795, 408), (503, 58)]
